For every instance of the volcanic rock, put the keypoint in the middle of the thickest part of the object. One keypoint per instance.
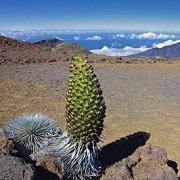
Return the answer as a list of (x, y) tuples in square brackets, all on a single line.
[(15, 168), (146, 163), (53, 165)]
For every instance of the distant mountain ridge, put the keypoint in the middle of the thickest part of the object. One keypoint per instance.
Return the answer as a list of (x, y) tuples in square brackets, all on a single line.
[(168, 52), (48, 42), (73, 49)]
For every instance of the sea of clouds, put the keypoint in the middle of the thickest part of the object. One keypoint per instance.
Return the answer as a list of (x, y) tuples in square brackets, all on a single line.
[(110, 43), (129, 50)]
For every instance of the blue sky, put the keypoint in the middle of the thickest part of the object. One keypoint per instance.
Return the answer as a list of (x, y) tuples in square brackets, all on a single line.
[(149, 15)]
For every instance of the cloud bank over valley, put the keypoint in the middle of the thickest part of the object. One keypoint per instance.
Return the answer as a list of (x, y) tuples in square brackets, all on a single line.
[(112, 43), (128, 50)]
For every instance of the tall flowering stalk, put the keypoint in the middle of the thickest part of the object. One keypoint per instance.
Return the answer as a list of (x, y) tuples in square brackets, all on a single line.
[(85, 104), (77, 148), (85, 114)]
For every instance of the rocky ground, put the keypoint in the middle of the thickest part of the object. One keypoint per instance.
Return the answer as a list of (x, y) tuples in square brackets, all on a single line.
[(142, 98)]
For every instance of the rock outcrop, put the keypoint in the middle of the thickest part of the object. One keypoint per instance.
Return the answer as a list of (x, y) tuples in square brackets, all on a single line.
[(51, 164), (13, 165), (146, 163), (15, 168)]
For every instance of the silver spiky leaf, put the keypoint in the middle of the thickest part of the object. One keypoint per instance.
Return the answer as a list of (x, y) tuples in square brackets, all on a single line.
[(30, 131), (79, 162)]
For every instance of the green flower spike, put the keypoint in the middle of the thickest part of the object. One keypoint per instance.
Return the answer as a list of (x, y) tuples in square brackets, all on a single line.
[(78, 147), (85, 104)]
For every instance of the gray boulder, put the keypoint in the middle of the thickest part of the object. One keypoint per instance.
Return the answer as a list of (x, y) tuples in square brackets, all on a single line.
[(146, 163), (15, 168)]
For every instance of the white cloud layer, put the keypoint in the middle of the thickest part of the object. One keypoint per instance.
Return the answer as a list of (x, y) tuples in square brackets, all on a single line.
[(151, 35), (165, 43), (31, 33), (128, 50), (115, 44), (117, 36), (77, 38), (93, 38)]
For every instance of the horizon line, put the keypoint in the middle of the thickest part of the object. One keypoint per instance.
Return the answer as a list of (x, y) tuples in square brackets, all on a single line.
[(76, 29)]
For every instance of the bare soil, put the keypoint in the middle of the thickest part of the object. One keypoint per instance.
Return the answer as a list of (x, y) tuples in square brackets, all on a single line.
[(142, 98)]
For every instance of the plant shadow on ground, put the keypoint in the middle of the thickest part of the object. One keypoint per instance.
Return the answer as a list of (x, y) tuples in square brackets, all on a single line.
[(123, 147), (173, 165)]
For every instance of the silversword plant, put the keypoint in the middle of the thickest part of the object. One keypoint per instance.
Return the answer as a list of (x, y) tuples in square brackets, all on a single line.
[(30, 132)]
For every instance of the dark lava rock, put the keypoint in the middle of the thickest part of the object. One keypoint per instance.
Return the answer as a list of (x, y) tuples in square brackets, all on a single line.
[(12, 167), (146, 163), (15, 168), (52, 165)]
